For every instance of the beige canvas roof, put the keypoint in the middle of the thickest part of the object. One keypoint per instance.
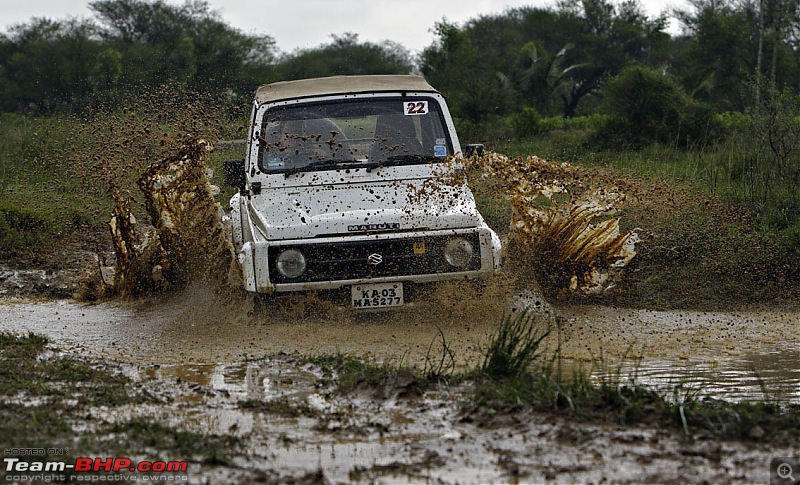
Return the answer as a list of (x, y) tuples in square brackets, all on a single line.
[(340, 85)]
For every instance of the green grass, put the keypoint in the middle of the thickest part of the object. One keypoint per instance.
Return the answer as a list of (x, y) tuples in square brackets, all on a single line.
[(514, 346), (349, 372), (56, 172), (42, 197)]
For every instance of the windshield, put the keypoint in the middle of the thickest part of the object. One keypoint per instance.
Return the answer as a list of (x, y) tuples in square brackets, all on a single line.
[(369, 132)]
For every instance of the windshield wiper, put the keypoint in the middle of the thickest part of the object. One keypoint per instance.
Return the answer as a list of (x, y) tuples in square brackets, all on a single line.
[(333, 164), (410, 159)]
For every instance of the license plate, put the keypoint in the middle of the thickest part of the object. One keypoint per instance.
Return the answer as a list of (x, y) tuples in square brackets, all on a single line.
[(382, 295)]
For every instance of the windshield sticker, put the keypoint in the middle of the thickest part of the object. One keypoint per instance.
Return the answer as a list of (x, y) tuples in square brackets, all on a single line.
[(274, 163), (440, 141), (415, 108), (439, 151)]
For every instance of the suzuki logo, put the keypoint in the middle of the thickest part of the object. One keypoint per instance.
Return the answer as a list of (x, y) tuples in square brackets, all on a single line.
[(375, 259)]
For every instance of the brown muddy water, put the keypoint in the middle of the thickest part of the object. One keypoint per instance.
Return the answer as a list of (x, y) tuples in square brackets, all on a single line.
[(736, 355)]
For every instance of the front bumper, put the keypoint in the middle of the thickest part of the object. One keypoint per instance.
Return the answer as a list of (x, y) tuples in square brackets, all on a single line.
[(343, 261)]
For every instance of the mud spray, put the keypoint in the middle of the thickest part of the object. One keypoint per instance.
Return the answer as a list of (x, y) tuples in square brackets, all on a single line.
[(187, 242), (167, 231), (572, 244), (562, 234), (562, 230)]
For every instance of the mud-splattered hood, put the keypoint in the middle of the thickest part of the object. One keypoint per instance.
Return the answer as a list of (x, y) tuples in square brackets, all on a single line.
[(359, 207)]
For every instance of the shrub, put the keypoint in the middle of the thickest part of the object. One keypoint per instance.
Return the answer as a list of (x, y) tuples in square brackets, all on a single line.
[(526, 123), (646, 106), (732, 121), (20, 227), (767, 177)]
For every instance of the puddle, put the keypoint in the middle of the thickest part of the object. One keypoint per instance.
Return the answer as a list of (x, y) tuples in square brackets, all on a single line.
[(261, 380), (729, 355), (772, 376)]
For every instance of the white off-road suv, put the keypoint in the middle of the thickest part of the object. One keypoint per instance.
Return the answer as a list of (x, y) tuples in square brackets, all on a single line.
[(339, 191)]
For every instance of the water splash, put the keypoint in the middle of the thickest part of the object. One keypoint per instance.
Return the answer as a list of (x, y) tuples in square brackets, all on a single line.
[(562, 224), (188, 240)]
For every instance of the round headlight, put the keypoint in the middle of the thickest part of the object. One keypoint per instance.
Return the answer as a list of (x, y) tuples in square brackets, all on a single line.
[(291, 263), (458, 252)]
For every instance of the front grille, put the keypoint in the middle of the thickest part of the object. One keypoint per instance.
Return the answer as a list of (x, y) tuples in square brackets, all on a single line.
[(349, 260)]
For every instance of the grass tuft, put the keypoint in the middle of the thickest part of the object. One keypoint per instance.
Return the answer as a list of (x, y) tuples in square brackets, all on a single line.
[(349, 372), (439, 368), (514, 346)]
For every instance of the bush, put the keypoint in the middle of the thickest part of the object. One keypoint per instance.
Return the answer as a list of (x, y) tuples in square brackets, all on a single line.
[(526, 123), (20, 228), (493, 131), (767, 177), (646, 106), (730, 122)]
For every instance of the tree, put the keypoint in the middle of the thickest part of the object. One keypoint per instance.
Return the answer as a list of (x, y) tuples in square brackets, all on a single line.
[(469, 77), (186, 44), (347, 55), (129, 47), (726, 43), (528, 54), (610, 37), (48, 64)]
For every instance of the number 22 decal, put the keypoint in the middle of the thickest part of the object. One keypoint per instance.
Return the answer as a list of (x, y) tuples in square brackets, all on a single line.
[(415, 107)]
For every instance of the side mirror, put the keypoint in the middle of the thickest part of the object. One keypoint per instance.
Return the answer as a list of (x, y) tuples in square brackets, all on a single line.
[(474, 149), (233, 173)]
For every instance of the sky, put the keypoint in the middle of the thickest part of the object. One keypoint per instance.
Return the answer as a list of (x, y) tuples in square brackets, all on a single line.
[(309, 23)]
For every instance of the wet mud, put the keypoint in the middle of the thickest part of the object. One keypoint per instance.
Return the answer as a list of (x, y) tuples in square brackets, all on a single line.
[(231, 366), (321, 434)]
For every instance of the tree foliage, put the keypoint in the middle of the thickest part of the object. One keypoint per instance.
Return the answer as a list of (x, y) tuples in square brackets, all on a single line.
[(347, 55), (553, 61), (548, 59)]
